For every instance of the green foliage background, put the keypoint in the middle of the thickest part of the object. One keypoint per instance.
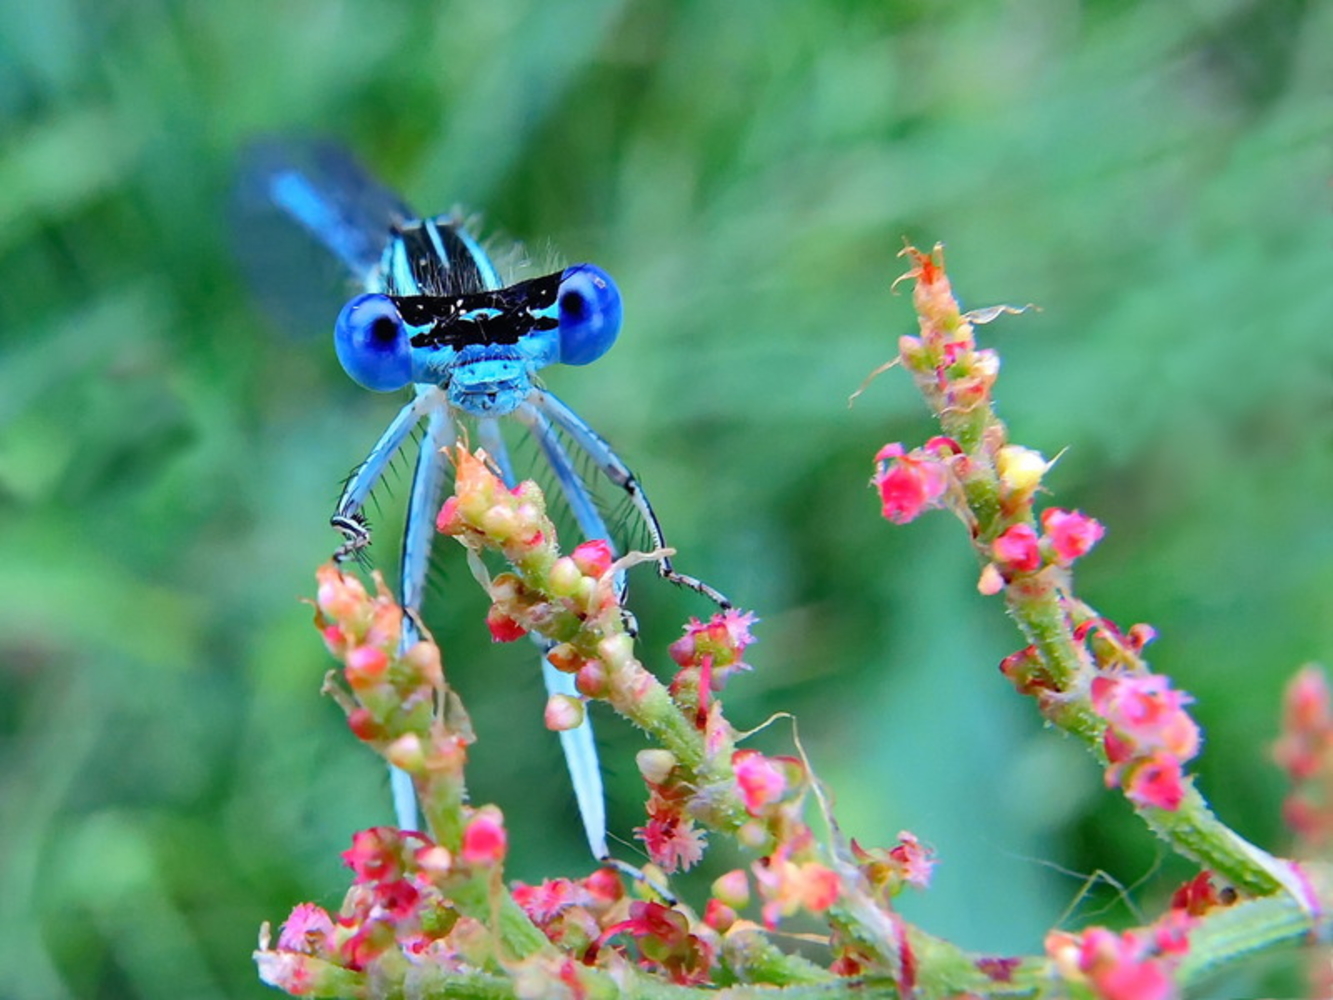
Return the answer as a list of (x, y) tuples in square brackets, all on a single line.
[(1155, 176)]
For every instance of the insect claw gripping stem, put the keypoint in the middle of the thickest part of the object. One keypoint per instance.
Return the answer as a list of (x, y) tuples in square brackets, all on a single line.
[(356, 537)]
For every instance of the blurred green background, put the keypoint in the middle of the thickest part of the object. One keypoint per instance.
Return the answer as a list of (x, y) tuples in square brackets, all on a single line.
[(1154, 176)]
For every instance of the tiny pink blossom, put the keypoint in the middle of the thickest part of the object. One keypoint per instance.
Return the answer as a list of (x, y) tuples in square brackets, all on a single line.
[(1157, 782), (397, 899), (1017, 549), (1307, 725), (1134, 980), (1146, 714), (762, 781), (375, 854), (484, 839), (718, 643), (672, 841), (908, 483), (1072, 534), (306, 930), (915, 860), (788, 886), (1127, 966), (291, 972), (545, 901)]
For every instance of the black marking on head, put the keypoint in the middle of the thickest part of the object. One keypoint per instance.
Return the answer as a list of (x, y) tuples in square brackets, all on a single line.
[(503, 316)]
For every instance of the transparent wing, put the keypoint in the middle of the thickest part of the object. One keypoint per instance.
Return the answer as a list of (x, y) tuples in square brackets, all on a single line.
[(321, 187), (309, 226)]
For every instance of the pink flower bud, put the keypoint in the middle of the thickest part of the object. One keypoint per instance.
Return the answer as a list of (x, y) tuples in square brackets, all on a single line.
[(339, 597), (306, 930), (1017, 549), (1071, 533), (761, 781), (447, 522), (594, 557), (484, 839), (592, 680), (434, 860), (908, 483), (366, 667), (1157, 782), (407, 753), (563, 713), (991, 580), (733, 888), (502, 627), (719, 916)]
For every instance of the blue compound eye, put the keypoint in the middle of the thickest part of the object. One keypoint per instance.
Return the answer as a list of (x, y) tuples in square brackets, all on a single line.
[(372, 344), (589, 314)]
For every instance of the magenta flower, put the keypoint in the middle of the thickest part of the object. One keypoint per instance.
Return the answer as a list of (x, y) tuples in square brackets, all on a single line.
[(1017, 549), (908, 482), (762, 781), (1071, 533)]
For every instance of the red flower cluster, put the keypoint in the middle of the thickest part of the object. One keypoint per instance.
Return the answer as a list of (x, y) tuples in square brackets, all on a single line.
[(573, 912), (1134, 965), (1305, 751), (1066, 535), (890, 870), (667, 944), (1148, 738)]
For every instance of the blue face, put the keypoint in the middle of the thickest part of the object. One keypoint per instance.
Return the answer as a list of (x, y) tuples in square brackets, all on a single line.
[(482, 346)]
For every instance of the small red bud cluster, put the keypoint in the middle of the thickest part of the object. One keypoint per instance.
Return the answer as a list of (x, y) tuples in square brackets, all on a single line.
[(1132, 965), (890, 870), (573, 913), (953, 374), (1148, 738), (667, 943), (547, 591), (1305, 751), (1019, 550), (991, 485), (397, 908), (391, 696)]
